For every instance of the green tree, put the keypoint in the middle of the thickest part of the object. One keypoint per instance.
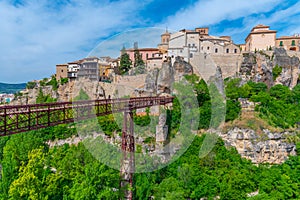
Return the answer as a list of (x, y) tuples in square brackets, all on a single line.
[(233, 109), (125, 63), (29, 184), (82, 96), (41, 98), (276, 71), (31, 85), (138, 61), (53, 82)]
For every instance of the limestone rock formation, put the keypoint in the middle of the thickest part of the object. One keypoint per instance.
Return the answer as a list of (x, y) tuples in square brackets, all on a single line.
[(182, 67), (270, 147), (165, 78), (151, 81), (29, 95), (290, 68), (259, 66)]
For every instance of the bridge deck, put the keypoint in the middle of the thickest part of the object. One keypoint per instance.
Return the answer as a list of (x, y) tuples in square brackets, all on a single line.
[(22, 118)]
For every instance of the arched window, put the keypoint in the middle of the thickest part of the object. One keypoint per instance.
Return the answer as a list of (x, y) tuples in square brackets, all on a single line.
[(235, 50), (216, 50), (227, 50)]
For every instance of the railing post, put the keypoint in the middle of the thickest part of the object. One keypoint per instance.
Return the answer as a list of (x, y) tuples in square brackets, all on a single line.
[(29, 117), (64, 110), (5, 121), (17, 118), (48, 115)]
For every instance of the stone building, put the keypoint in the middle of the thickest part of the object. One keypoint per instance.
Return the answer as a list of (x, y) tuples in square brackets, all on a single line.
[(187, 43), (61, 71), (146, 53), (291, 43), (260, 38), (89, 69)]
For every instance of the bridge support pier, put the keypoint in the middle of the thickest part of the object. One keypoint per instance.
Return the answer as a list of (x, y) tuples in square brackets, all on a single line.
[(127, 162)]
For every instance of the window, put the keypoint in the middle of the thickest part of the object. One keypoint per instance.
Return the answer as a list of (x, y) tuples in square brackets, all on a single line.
[(62, 70), (227, 50), (281, 43), (191, 55), (216, 50), (235, 50), (293, 43), (189, 45), (207, 48)]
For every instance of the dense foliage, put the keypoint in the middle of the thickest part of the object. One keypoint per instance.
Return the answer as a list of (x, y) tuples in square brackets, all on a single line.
[(41, 98), (32, 170), (279, 105)]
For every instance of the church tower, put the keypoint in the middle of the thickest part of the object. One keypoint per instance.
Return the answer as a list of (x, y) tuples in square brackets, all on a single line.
[(164, 45)]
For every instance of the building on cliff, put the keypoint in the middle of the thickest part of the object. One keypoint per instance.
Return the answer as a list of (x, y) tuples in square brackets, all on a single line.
[(187, 43), (94, 68), (291, 43), (262, 38)]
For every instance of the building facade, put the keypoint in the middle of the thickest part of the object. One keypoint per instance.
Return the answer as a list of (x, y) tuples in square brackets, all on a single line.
[(186, 43), (89, 69), (290, 43), (146, 53), (260, 38), (61, 71)]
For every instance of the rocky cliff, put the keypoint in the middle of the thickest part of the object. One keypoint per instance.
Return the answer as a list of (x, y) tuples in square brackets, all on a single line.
[(259, 67), (267, 147)]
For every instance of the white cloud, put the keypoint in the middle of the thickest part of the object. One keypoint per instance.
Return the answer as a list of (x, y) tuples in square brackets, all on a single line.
[(285, 21), (37, 35), (146, 37), (208, 12)]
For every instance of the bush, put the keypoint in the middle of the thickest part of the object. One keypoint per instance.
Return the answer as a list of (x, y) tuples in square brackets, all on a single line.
[(64, 81), (31, 85), (276, 72)]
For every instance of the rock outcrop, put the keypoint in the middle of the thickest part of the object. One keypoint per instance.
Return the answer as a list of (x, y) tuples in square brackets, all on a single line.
[(269, 147), (165, 78), (182, 67), (259, 66)]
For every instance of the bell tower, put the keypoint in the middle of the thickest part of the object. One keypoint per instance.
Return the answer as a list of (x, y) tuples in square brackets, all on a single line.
[(165, 37)]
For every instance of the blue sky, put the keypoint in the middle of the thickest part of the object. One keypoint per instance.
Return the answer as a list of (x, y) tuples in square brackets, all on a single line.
[(35, 35)]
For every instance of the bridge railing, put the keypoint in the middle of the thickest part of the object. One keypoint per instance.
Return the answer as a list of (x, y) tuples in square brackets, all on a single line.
[(22, 118)]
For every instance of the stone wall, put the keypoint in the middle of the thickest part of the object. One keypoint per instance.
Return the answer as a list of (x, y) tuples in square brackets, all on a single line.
[(229, 64)]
